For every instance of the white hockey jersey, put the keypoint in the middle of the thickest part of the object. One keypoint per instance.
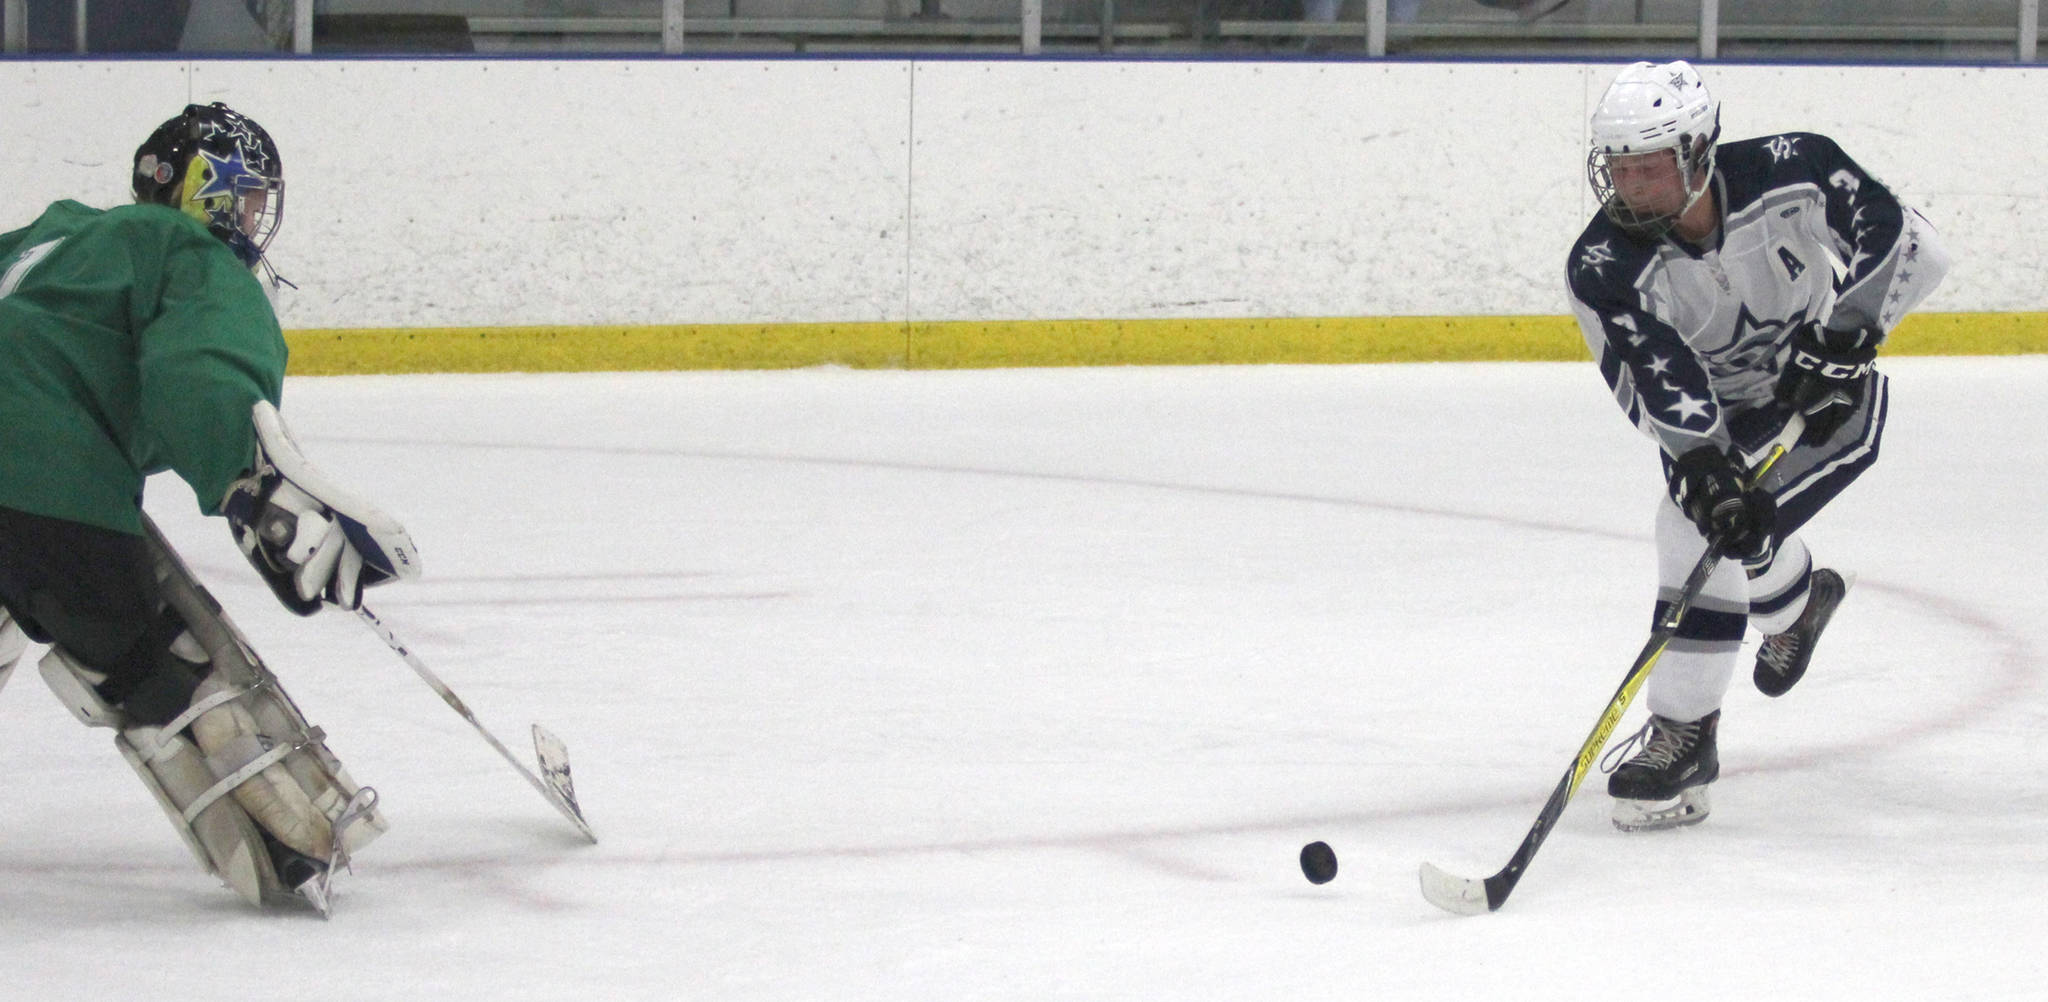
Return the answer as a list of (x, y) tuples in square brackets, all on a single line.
[(1688, 336)]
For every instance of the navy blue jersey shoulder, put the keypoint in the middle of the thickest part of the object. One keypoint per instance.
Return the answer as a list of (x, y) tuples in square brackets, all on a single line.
[(1605, 263), (1866, 218), (1750, 168)]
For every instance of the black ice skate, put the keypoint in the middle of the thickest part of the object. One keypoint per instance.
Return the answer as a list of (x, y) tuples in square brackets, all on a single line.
[(1664, 785), (1783, 657)]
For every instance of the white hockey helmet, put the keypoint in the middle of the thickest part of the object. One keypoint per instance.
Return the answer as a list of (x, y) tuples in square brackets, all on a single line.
[(1648, 108)]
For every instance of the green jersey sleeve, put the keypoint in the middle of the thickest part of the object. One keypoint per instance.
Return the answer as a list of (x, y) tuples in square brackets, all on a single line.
[(132, 341), (207, 348)]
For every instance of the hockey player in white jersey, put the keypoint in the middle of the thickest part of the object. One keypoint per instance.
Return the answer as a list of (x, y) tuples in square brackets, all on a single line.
[(1722, 288)]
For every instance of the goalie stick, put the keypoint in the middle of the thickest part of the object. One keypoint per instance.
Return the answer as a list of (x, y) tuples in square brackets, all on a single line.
[(1470, 896), (553, 782)]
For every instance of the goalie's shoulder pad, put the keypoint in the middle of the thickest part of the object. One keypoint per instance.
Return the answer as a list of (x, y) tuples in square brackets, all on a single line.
[(385, 547)]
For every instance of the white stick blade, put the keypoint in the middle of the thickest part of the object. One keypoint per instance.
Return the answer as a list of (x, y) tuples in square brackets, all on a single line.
[(554, 776), (554, 762), (1454, 894)]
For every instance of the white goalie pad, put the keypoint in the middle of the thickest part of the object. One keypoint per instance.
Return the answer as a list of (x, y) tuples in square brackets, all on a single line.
[(13, 643), (241, 774), (377, 539), (253, 737)]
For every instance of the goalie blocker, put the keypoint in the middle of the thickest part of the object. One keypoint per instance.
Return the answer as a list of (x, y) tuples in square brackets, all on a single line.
[(312, 540)]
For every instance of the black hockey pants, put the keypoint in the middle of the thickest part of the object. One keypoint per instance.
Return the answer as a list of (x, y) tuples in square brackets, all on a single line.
[(92, 592)]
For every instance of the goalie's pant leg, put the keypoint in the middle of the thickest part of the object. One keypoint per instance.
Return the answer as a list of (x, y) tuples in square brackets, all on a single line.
[(93, 591), (195, 726)]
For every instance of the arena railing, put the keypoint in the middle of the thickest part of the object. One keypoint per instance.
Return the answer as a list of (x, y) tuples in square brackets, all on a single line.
[(295, 28)]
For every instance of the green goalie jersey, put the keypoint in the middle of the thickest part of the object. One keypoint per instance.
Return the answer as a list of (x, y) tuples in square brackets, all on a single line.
[(131, 341)]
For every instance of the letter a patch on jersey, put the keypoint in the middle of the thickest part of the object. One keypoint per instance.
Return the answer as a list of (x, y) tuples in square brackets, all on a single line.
[(1793, 266)]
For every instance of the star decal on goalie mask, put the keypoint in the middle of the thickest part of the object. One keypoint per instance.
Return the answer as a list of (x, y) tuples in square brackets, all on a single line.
[(225, 176), (245, 141)]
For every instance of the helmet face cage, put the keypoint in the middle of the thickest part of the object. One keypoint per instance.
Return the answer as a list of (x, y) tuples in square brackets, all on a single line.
[(1654, 109), (220, 168), (1695, 169)]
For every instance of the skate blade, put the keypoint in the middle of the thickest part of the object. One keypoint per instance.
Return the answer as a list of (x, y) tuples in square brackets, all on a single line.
[(315, 893), (1690, 807), (317, 890)]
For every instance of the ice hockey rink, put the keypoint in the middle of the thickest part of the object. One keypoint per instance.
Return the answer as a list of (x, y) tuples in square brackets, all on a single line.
[(1031, 684)]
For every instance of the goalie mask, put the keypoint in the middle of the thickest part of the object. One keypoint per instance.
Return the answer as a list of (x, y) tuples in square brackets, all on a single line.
[(220, 168), (1653, 137)]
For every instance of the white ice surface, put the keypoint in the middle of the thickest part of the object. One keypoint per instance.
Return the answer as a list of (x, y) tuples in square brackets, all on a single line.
[(1030, 684)]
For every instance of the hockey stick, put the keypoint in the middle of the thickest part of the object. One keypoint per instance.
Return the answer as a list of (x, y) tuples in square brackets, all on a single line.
[(553, 782), (1468, 896)]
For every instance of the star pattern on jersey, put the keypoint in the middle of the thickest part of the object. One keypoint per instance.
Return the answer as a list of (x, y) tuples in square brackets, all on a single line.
[(1748, 326), (1889, 317), (1895, 302), (1781, 148), (1597, 257), (1689, 407), (1667, 389)]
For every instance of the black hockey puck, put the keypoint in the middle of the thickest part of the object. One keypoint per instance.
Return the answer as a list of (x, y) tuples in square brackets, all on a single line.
[(1318, 862)]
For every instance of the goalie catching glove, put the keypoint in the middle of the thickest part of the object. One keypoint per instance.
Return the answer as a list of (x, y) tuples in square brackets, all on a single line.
[(312, 541)]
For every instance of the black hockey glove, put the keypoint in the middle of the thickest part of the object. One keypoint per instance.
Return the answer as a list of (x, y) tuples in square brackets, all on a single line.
[(1825, 376), (1707, 487)]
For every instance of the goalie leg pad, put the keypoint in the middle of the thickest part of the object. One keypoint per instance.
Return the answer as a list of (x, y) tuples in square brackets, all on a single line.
[(253, 764), (12, 643), (220, 833), (250, 729), (77, 687), (249, 785)]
